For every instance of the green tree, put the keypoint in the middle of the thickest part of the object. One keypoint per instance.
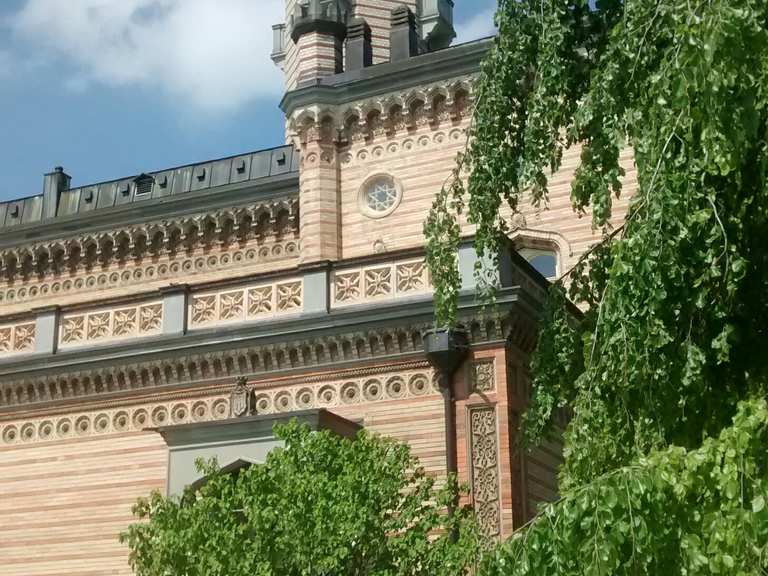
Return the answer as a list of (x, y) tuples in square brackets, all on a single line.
[(320, 505), (665, 373)]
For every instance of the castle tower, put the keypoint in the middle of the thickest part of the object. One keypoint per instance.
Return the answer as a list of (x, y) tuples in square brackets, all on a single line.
[(378, 112), (327, 44)]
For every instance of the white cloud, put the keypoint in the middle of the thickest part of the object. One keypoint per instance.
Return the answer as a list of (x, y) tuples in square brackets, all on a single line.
[(212, 55), (478, 26)]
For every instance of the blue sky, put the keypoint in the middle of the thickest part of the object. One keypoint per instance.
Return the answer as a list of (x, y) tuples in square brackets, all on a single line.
[(111, 88)]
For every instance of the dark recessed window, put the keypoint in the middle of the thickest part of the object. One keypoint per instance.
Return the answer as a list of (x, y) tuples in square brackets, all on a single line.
[(543, 260)]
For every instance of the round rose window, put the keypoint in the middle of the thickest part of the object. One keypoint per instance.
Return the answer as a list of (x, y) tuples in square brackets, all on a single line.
[(379, 195)]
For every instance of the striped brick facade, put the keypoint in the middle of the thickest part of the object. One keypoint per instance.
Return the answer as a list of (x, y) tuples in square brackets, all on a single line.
[(68, 492), (64, 502), (319, 199), (317, 55)]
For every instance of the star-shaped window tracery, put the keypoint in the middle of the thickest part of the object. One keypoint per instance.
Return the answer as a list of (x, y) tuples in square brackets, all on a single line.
[(381, 194)]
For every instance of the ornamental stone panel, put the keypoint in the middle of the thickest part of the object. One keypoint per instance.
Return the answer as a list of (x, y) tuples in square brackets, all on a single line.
[(483, 376), (380, 282), (249, 303), (111, 324), (484, 460), (17, 338)]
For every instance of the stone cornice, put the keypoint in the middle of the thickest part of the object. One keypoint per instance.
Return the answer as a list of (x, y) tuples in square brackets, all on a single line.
[(374, 81), (220, 387), (342, 339)]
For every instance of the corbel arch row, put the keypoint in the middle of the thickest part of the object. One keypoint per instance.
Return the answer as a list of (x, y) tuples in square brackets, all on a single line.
[(273, 218), (389, 112)]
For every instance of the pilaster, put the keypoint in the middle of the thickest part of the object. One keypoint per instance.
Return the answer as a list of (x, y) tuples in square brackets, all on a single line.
[(319, 197), (175, 309), (46, 329), (317, 298)]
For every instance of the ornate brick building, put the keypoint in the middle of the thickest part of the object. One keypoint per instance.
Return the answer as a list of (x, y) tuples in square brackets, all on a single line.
[(149, 320)]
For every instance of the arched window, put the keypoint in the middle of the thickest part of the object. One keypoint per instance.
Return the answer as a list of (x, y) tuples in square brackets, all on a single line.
[(546, 250), (544, 260)]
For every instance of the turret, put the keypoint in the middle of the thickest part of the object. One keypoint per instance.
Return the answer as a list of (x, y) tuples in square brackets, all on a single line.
[(311, 44), (318, 29), (359, 52)]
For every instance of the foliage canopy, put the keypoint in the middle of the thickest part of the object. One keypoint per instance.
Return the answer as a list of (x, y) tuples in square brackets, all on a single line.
[(672, 344), (319, 505)]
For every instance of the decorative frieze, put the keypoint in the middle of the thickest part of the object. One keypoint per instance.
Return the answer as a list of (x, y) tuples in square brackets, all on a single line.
[(484, 459), (483, 375), (116, 420), (53, 384), (168, 267), (370, 388), (17, 338), (374, 152), (108, 325), (255, 302), (195, 244), (363, 387), (380, 281)]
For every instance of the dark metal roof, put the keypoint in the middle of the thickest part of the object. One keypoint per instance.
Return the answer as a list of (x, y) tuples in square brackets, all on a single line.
[(240, 169)]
